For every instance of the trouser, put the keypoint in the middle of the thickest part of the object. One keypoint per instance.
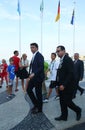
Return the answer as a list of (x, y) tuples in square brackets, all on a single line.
[(78, 87), (44, 90), (65, 102), (36, 97)]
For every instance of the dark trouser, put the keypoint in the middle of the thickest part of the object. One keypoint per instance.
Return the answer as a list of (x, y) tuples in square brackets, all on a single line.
[(37, 97), (78, 87), (44, 90), (65, 102)]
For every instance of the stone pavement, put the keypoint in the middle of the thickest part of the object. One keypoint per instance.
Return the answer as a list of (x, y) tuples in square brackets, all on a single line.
[(15, 113)]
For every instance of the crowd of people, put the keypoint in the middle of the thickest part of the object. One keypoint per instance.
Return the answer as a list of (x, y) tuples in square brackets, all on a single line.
[(16, 69), (65, 75)]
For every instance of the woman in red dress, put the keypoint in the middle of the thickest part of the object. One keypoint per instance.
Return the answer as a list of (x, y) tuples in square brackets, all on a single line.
[(3, 72)]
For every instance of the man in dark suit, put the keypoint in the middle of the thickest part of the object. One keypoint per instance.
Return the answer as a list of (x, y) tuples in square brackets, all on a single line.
[(79, 72), (36, 77), (66, 83)]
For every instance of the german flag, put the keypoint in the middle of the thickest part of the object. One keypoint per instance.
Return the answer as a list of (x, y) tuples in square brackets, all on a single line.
[(58, 14)]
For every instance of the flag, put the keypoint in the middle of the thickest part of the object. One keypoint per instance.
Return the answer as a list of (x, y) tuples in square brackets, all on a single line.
[(18, 8), (58, 14), (72, 19), (42, 6)]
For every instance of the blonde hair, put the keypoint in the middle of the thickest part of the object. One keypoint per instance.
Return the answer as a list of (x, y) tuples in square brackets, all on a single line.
[(24, 55), (3, 61)]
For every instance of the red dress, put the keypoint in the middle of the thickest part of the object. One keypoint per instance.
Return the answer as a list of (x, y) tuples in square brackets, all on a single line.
[(3, 70)]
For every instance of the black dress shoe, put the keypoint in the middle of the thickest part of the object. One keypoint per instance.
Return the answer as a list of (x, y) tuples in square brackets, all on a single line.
[(78, 116), (82, 91), (60, 118), (74, 96), (33, 109), (36, 111), (0, 86)]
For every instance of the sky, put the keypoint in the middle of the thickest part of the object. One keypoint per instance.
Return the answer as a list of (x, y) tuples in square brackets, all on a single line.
[(31, 27)]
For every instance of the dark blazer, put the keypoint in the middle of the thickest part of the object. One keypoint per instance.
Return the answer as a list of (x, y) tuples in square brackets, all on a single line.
[(65, 74), (79, 69), (38, 67)]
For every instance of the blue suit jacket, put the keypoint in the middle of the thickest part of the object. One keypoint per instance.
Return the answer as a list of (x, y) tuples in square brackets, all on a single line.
[(79, 69), (38, 67)]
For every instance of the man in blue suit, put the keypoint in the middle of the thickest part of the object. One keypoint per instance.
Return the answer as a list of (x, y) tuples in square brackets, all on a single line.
[(36, 77), (79, 72)]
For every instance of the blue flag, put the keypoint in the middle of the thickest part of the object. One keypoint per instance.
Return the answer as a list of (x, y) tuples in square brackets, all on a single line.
[(18, 8), (42, 6), (72, 20)]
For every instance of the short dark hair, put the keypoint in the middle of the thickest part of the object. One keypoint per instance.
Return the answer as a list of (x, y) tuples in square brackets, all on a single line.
[(53, 54), (11, 59), (76, 53), (61, 47), (34, 44), (15, 51)]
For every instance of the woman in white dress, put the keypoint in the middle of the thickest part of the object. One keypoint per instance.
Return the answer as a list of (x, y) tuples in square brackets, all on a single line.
[(23, 73)]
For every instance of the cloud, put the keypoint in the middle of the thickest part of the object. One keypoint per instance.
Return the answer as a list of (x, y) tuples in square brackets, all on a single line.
[(4, 14), (7, 29), (0, 4), (66, 11), (32, 16)]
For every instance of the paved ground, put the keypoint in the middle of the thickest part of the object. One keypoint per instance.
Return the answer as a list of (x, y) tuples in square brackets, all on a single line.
[(3, 97), (15, 113), (77, 127)]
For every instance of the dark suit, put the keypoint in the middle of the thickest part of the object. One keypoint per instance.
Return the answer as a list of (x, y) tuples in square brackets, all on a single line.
[(37, 67), (79, 73), (65, 77)]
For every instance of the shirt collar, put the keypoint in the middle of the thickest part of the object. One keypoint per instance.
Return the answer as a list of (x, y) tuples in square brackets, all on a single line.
[(35, 53), (62, 57)]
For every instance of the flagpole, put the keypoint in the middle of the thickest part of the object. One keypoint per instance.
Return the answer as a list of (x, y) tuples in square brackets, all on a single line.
[(74, 39), (19, 12), (59, 32), (41, 32), (58, 19), (41, 10), (20, 35), (74, 31)]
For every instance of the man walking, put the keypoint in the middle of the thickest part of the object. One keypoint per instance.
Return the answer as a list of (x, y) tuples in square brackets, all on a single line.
[(16, 60), (36, 77), (66, 83), (79, 72)]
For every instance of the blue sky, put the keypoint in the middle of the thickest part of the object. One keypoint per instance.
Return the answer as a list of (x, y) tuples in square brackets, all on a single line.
[(31, 26)]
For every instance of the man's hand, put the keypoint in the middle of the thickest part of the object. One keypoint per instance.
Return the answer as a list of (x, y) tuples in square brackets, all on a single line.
[(61, 87), (31, 76), (81, 79)]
